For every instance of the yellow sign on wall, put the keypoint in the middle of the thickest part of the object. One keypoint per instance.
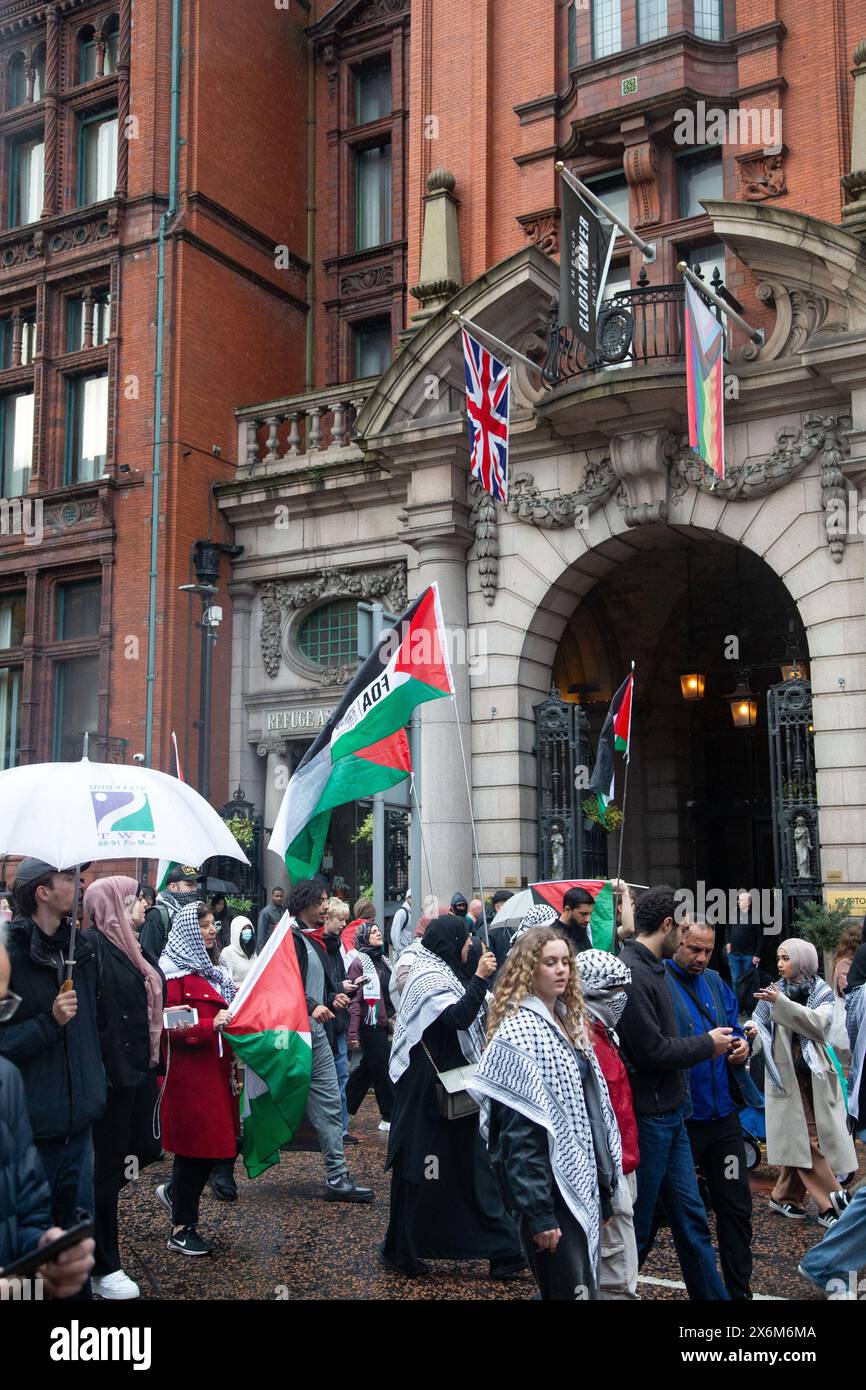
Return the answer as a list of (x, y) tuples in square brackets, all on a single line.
[(834, 896)]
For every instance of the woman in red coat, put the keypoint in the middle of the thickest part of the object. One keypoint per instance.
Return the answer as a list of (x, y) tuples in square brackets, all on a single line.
[(198, 1109)]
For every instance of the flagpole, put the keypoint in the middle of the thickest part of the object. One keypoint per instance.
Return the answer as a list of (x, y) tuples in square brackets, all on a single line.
[(624, 800), (423, 841), (756, 334), (472, 823), (646, 248), (497, 342)]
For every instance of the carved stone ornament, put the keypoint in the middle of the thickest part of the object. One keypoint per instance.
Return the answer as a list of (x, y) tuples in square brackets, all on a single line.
[(541, 229), (485, 524), (379, 9), (280, 598), (640, 164), (822, 437), (641, 462), (762, 175), (800, 314), (556, 509), (359, 281)]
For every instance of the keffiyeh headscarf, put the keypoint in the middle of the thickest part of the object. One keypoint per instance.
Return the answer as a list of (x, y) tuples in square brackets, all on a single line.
[(805, 987), (541, 915), (367, 957), (603, 979), (185, 954), (531, 1067), (432, 987)]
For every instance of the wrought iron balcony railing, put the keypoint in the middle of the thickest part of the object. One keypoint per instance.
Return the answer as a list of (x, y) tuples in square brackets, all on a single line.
[(637, 327)]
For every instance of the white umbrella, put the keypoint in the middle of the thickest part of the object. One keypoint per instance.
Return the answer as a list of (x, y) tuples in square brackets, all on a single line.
[(72, 813), (512, 913)]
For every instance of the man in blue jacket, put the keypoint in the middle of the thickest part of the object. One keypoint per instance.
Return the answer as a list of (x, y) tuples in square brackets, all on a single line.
[(53, 1037), (702, 1001), (25, 1201)]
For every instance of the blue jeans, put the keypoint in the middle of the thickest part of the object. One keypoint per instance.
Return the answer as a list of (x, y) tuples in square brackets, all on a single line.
[(842, 1250), (738, 966), (667, 1173), (341, 1061)]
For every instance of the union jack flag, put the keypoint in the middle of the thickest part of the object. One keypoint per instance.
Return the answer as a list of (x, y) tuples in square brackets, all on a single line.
[(488, 388)]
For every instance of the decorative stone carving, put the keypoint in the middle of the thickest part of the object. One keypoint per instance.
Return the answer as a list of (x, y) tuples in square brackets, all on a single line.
[(800, 314), (557, 509), (640, 163), (641, 462), (378, 9), (282, 597), (484, 521), (336, 675), (762, 175), (69, 238), (541, 229), (441, 275), (822, 437), (360, 281)]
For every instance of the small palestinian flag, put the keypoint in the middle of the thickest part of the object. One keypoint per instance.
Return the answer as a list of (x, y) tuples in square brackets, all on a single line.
[(614, 737), (601, 923), (363, 748), (269, 1031)]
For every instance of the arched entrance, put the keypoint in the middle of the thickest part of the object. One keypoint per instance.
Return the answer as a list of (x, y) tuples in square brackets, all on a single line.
[(702, 807)]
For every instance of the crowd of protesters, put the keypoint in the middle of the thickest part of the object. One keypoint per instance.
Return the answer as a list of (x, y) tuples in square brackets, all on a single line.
[(568, 1101)]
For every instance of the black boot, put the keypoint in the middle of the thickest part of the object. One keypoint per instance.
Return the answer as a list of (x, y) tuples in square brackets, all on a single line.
[(222, 1180)]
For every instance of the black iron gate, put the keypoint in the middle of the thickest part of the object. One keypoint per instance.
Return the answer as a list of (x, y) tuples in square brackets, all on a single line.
[(567, 846), (793, 789), (247, 878)]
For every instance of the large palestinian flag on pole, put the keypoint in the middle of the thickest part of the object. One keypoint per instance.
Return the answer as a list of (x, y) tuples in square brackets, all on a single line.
[(615, 737), (602, 921), (363, 748), (269, 1030)]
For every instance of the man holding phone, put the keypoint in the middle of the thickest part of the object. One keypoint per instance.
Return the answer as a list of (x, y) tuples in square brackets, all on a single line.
[(25, 1224)]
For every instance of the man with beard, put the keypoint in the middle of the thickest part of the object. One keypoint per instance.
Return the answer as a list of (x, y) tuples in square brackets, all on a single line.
[(181, 888), (657, 1059)]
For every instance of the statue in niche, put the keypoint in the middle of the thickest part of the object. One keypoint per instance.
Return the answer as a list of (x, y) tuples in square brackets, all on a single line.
[(803, 847), (557, 852)]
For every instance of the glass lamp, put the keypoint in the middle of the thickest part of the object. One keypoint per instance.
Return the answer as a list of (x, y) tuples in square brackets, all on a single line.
[(692, 685), (744, 706)]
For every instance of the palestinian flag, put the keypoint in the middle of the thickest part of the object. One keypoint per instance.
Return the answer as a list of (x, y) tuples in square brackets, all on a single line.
[(602, 922), (363, 748), (615, 737), (269, 1030)]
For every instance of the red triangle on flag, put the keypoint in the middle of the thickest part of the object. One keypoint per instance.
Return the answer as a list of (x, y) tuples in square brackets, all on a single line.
[(421, 655), (392, 751)]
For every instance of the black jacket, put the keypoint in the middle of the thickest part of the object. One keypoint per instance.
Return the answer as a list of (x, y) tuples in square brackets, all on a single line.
[(578, 935), (61, 1068), (124, 1028), (25, 1200), (744, 936), (303, 962), (335, 974), (155, 930), (656, 1056)]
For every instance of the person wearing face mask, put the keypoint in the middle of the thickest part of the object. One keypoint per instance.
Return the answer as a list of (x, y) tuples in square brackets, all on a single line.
[(131, 991), (240, 956), (807, 1130), (603, 980), (370, 1013), (440, 1025)]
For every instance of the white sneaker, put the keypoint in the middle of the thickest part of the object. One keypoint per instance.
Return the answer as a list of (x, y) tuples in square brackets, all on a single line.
[(117, 1285), (385, 1125)]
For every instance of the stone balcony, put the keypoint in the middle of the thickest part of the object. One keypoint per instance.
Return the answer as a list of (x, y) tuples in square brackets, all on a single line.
[(296, 431)]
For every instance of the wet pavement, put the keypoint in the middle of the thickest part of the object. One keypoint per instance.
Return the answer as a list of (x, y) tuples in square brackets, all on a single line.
[(280, 1240)]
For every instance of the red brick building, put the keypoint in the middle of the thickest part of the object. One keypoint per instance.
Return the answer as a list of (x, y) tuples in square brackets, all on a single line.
[(93, 206)]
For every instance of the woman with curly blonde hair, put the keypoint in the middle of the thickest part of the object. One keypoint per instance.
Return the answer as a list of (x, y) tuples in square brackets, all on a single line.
[(546, 1116)]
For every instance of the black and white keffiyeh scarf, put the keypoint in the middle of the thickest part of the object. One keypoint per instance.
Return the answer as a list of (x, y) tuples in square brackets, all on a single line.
[(603, 979), (820, 993), (185, 954), (855, 1022), (530, 1066), (432, 988)]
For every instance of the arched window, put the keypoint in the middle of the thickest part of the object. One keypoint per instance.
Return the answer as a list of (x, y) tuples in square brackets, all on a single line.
[(329, 635), (16, 83), (86, 54), (37, 64), (111, 38)]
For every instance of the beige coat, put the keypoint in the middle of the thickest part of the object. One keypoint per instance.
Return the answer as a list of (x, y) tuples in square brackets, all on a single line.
[(787, 1134)]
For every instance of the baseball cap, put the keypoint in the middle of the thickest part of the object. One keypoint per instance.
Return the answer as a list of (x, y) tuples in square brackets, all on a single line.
[(30, 869)]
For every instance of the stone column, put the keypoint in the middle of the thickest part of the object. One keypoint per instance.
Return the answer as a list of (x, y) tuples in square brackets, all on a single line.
[(441, 536), (243, 766), (52, 80)]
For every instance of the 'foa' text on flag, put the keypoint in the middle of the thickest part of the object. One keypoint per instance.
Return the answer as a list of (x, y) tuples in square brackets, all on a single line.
[(363, 748)]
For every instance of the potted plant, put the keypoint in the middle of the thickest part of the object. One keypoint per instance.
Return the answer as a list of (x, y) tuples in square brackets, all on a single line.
[(823, 926)]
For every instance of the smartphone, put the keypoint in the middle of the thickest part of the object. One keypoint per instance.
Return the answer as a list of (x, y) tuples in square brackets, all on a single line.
[(44, 1254), (173, 1018)]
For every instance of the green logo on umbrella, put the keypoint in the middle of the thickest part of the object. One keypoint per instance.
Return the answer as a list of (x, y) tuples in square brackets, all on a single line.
[(117, 811)]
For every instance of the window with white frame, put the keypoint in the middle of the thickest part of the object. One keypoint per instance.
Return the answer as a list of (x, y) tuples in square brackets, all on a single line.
[(652, 20), (16, 442), (606, 27)]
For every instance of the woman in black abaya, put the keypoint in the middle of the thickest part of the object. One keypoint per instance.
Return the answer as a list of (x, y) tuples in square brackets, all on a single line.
[(445, 1203)]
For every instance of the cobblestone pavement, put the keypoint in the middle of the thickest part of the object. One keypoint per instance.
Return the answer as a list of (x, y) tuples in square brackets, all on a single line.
[(280, 1240)]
